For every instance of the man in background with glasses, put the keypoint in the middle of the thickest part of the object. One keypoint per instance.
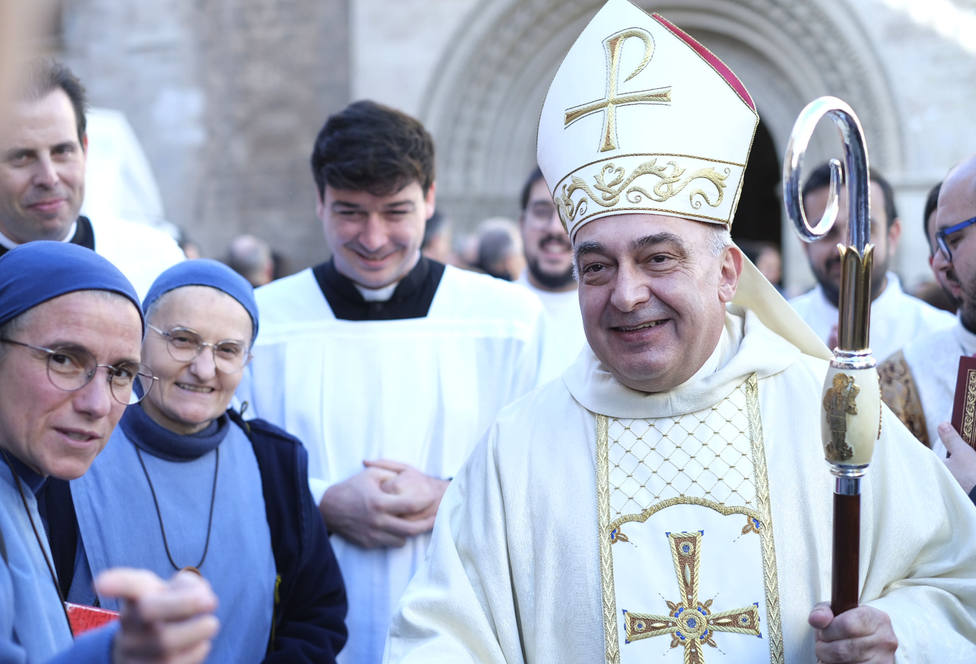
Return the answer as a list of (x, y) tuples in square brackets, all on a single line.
[(941, 267), (70, 341), (549, 274), (919, 383)]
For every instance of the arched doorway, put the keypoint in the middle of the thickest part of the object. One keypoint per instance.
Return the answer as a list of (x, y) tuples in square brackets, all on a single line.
[(760, 208), (503, 59)]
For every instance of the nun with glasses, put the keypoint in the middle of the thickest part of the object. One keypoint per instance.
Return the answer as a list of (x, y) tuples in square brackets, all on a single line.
[(70, 334), (186, 484)]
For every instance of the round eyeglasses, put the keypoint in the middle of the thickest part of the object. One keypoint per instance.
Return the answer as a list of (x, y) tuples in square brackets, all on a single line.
[(185, 345), (70, 368)]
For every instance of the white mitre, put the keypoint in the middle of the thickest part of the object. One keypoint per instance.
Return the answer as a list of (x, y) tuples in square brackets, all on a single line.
[(641, 118)]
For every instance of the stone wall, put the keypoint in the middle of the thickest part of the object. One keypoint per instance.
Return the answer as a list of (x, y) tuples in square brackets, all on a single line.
[(226, 97)]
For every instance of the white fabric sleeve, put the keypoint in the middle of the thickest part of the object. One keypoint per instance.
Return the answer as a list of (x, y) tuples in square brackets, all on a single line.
[(459, 606), (318, 488)]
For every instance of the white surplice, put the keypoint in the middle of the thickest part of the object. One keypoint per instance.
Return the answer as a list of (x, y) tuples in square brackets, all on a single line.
[(141, 252), (934, 363), (421, 391), (514, 573), (564, 329), (896, 317)]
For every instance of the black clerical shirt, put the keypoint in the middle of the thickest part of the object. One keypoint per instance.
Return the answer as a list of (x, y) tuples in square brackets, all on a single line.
[(84, 235), (411, 298)]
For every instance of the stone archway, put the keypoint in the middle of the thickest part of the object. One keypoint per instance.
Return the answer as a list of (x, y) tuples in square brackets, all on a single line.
[(484, 101)]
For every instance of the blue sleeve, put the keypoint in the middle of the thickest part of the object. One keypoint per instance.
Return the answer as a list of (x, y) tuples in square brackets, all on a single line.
[(11, 652), (94, 647)]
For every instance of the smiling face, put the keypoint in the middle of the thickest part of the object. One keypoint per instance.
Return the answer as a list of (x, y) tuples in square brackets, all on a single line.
[(42, 169), (548, 252), (823, 255), (375, 240), (52, 431), (653, 294), (189, 395)]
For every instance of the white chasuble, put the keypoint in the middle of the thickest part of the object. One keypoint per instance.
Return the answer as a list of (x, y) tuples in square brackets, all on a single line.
[(721, 501), (689, 494)]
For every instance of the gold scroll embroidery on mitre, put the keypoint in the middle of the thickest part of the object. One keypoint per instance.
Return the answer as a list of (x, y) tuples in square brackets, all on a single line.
[(645, 184), (687, 554)]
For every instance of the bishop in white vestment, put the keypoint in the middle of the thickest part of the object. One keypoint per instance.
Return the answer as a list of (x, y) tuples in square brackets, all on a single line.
[(576, 507), (667, 499)]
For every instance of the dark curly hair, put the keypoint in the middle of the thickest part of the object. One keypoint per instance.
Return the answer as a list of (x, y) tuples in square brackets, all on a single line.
[(374, 148)]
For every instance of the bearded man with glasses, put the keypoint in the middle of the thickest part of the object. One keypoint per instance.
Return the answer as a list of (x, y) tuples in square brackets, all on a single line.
[(65, 315), (549, 274), (921, 380)]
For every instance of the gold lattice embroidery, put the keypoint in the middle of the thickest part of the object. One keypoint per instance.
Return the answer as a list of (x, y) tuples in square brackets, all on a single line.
[(703, 458), (608, 105), (692, 624), (741, 487)]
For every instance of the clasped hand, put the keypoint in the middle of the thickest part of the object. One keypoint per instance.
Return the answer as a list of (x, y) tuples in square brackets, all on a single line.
[(383, 505)]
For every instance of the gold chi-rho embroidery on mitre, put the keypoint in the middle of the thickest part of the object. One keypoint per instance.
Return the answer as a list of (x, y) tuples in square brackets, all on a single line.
[(641, 118)]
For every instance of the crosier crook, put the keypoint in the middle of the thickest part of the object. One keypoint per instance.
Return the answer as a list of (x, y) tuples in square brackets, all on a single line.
[(851, 413)]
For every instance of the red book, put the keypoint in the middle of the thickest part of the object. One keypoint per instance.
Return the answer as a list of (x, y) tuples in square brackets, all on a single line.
[(964, 402), (84, 618)]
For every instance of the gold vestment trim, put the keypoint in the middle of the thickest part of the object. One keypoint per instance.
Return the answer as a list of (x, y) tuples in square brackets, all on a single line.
[(763, 513), (776, 652), (606, 557)]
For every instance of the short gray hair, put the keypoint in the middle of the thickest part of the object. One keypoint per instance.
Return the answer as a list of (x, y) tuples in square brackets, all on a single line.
[(721, 239)]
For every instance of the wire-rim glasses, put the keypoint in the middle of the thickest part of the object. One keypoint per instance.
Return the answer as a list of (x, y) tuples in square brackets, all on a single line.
[(941, 235), (70, 368), (184, 345)]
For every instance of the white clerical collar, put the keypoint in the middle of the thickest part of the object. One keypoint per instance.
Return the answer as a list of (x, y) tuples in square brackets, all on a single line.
[(7, 243), (745, 347), (377, 294)]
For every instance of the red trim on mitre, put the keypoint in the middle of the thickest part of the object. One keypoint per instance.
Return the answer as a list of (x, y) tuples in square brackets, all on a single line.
[(710, 58)]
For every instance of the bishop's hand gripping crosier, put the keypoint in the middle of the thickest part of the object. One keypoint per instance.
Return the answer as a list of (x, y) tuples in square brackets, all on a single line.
[(851, 405)]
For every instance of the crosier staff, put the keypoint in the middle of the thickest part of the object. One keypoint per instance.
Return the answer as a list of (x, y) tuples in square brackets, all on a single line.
[(851, 419)]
